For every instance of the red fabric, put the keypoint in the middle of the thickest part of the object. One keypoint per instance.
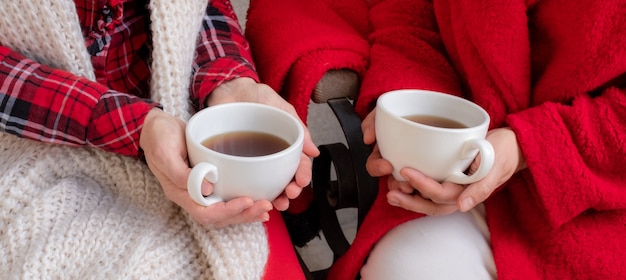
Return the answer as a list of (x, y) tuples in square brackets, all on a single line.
[(565, 216), (318, 36), (282, 261)]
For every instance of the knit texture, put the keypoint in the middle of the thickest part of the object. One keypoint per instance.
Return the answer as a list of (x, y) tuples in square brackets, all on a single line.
[(61, 47), (82, 213), (175, 27)]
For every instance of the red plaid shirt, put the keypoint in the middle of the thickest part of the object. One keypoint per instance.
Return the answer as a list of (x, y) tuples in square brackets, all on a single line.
[(52, 105)]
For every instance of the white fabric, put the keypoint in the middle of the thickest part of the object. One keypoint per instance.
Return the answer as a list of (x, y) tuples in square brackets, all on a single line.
[(62, 46), (81, 213), (450, 247)]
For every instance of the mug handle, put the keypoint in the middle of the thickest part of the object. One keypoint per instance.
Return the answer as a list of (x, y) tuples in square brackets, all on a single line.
[(198, 173), (486, 161)]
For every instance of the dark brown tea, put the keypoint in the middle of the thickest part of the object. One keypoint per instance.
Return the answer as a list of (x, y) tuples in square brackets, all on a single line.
[(435, 121), (246, 143)]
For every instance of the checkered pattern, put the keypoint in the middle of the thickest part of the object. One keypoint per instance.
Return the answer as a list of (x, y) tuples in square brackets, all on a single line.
[(52, 105), (221, 37)]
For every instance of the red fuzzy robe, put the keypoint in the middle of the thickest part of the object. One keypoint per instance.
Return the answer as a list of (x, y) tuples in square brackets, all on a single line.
[(552, 70)]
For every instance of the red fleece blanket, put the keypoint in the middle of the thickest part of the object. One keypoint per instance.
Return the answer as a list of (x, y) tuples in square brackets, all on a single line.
[(551, 70)]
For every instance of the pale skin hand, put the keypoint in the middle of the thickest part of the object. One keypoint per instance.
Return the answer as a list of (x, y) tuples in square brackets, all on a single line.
[(247, 90), (163, 141), (424, 195)]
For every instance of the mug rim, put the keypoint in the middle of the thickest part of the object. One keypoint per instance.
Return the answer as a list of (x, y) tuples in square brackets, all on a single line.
[(295, 144), (439, 94)]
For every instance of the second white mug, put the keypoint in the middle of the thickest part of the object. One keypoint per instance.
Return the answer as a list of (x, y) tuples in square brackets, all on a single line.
[(435, 133)]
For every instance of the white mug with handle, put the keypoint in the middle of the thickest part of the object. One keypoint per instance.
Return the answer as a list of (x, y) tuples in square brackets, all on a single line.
[(435, 133), (248, 168)]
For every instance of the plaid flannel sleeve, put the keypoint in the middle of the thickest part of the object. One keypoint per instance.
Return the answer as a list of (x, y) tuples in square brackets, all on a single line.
[(51, 105), (222, 53)]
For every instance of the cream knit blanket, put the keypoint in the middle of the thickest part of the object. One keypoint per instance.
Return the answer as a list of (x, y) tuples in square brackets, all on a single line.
[(81, 213)]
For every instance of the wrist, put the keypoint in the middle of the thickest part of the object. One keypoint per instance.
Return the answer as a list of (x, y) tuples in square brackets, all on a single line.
[(147, 122), (521, 161), (229, 90)]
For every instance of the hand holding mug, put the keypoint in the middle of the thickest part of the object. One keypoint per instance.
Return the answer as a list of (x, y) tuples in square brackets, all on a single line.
[(163, 141), (247, 90), (446, 196), (434, 198)]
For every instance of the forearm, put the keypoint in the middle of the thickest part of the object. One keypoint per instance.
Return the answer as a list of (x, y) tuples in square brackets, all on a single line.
[(222, 53), (52, 105)]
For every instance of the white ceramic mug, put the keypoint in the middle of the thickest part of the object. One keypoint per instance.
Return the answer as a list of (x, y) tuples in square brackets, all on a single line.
[(258, 177), (443, 154)]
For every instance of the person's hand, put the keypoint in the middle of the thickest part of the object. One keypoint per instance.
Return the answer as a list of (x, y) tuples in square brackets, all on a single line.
[(508, 160), (248, 90), (422, 194), (163, 141)]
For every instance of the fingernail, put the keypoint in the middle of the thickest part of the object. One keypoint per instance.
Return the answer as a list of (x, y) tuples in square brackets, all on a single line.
[(467, 204)]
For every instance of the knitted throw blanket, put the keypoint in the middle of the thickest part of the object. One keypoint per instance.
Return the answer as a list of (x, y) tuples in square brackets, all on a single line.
[(81, 213)]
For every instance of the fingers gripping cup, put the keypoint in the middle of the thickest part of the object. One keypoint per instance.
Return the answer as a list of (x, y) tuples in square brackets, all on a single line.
[(243, 149), (435, 133)]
